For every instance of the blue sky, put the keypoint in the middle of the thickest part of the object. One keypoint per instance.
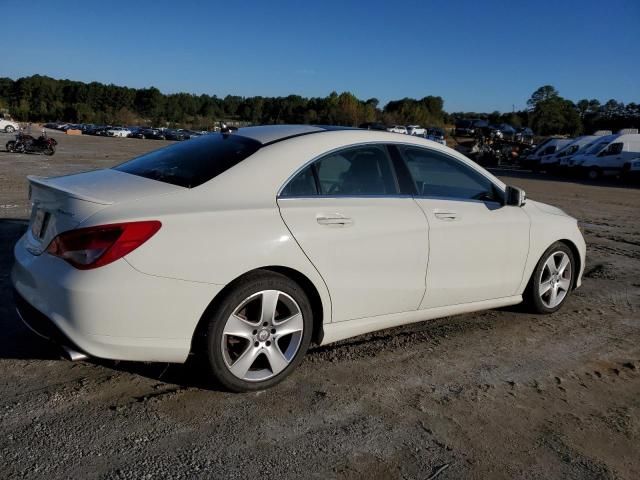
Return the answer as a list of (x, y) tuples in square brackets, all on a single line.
[(477, 55)]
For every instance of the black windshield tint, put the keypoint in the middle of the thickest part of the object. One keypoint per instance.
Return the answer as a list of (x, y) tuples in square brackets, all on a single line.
[(193, 162)]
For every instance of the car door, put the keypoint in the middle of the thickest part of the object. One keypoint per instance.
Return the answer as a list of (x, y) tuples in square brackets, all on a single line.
[(477, 246), (368, 242)]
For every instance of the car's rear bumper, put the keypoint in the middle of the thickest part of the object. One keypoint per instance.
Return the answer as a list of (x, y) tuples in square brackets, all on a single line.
[(112, 312)]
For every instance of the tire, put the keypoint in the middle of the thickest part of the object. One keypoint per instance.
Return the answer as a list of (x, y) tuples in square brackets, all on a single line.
[(9, 129), (594, 173), (50, 150), (562, 281), (244, 347), (11, 146)]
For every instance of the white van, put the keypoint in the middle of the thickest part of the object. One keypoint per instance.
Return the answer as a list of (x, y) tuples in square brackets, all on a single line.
[(610, 160), (550, 146), (550, 162)]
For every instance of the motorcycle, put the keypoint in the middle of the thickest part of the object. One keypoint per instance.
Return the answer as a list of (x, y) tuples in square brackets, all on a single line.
[(25, 143)]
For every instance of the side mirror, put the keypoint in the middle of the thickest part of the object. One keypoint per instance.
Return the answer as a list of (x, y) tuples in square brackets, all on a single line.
[(514, 196)]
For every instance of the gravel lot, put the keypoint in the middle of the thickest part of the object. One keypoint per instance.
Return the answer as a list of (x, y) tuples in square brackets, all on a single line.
[(499, 394)]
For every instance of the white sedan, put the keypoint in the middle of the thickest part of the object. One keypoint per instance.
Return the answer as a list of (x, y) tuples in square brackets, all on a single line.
[(245, 247), (118, 132), (8, 126), (398, 129)]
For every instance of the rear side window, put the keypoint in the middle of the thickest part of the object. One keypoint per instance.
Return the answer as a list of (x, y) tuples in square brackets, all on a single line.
[(356, 171), (302, 185), (193, 162), (438, 175), (364, 170)]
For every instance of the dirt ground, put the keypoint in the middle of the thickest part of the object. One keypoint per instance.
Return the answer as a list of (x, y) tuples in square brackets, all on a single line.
[(500, 394)]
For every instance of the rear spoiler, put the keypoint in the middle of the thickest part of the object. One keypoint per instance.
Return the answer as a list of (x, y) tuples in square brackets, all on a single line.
[(50, 183)]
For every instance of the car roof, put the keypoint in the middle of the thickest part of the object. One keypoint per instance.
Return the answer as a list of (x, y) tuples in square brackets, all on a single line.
[(273, 133)]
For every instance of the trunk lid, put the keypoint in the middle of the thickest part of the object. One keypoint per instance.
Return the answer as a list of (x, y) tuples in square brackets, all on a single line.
[(62, 203)]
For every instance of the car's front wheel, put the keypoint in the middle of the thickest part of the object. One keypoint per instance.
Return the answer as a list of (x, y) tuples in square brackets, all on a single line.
[(259, 333), (9, 129), (552, 279)]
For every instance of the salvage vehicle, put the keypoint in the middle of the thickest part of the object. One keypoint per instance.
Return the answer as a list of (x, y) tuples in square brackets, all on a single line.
[(397, 129), (469, 128), (551, 162), (244, 247), (416, 130), (121, 132), (436, 134), (25, 143), (610, 160), (524, 135), (631, 170), (8, 126), (548, 147)]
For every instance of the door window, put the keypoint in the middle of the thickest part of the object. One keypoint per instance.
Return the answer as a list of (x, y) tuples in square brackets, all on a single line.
[(302, 185), (438, 175), (364, 170), (355, 171), (613, 149)]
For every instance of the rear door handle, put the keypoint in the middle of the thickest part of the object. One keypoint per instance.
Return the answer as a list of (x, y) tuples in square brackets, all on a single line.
[(335, 219), (446, 215)]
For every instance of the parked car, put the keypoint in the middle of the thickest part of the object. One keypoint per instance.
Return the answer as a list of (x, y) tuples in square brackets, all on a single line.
[(551, 162), (548, 147), (177, 135), (397, 129), (416, 130), (121, 132), (8, 126), (469, 128), (610, 160), (507, 131), (152, 133), (570, 166), (245, 247), (631, 170), (436, 134), (136, 132), (373, 126), (524, 135)]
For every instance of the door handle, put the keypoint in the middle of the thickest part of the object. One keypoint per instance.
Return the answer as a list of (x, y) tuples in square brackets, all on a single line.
[(446, 215), (336, 220)]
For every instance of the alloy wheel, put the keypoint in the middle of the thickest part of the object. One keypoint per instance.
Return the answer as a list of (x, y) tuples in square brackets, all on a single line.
[(555, 279), (262, 336)]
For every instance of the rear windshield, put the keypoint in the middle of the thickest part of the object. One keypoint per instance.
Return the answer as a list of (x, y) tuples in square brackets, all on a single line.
[(192, 162)]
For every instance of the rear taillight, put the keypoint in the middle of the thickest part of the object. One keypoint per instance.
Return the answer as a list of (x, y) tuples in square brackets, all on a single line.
[(93, 247)]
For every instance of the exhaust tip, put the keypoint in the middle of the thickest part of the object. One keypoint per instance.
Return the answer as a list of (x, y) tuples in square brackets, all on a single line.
[(73, 355)]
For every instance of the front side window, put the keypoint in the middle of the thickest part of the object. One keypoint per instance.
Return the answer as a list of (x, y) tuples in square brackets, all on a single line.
[(613, 149), (364, 170), (438, 175)]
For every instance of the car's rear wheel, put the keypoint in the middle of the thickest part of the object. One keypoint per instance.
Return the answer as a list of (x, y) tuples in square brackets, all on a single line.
[(552, 280), (259, 333), (9, 129)]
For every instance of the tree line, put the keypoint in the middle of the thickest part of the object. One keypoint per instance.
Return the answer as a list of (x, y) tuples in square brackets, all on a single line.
[(40, 98), (548, 113), (43, 99)]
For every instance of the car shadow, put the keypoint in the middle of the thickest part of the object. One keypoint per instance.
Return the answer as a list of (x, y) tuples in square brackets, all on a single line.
[(16, 341)]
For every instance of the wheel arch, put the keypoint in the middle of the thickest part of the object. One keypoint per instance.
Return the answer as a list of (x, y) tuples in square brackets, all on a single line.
[(301, 279), (576, 256)]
